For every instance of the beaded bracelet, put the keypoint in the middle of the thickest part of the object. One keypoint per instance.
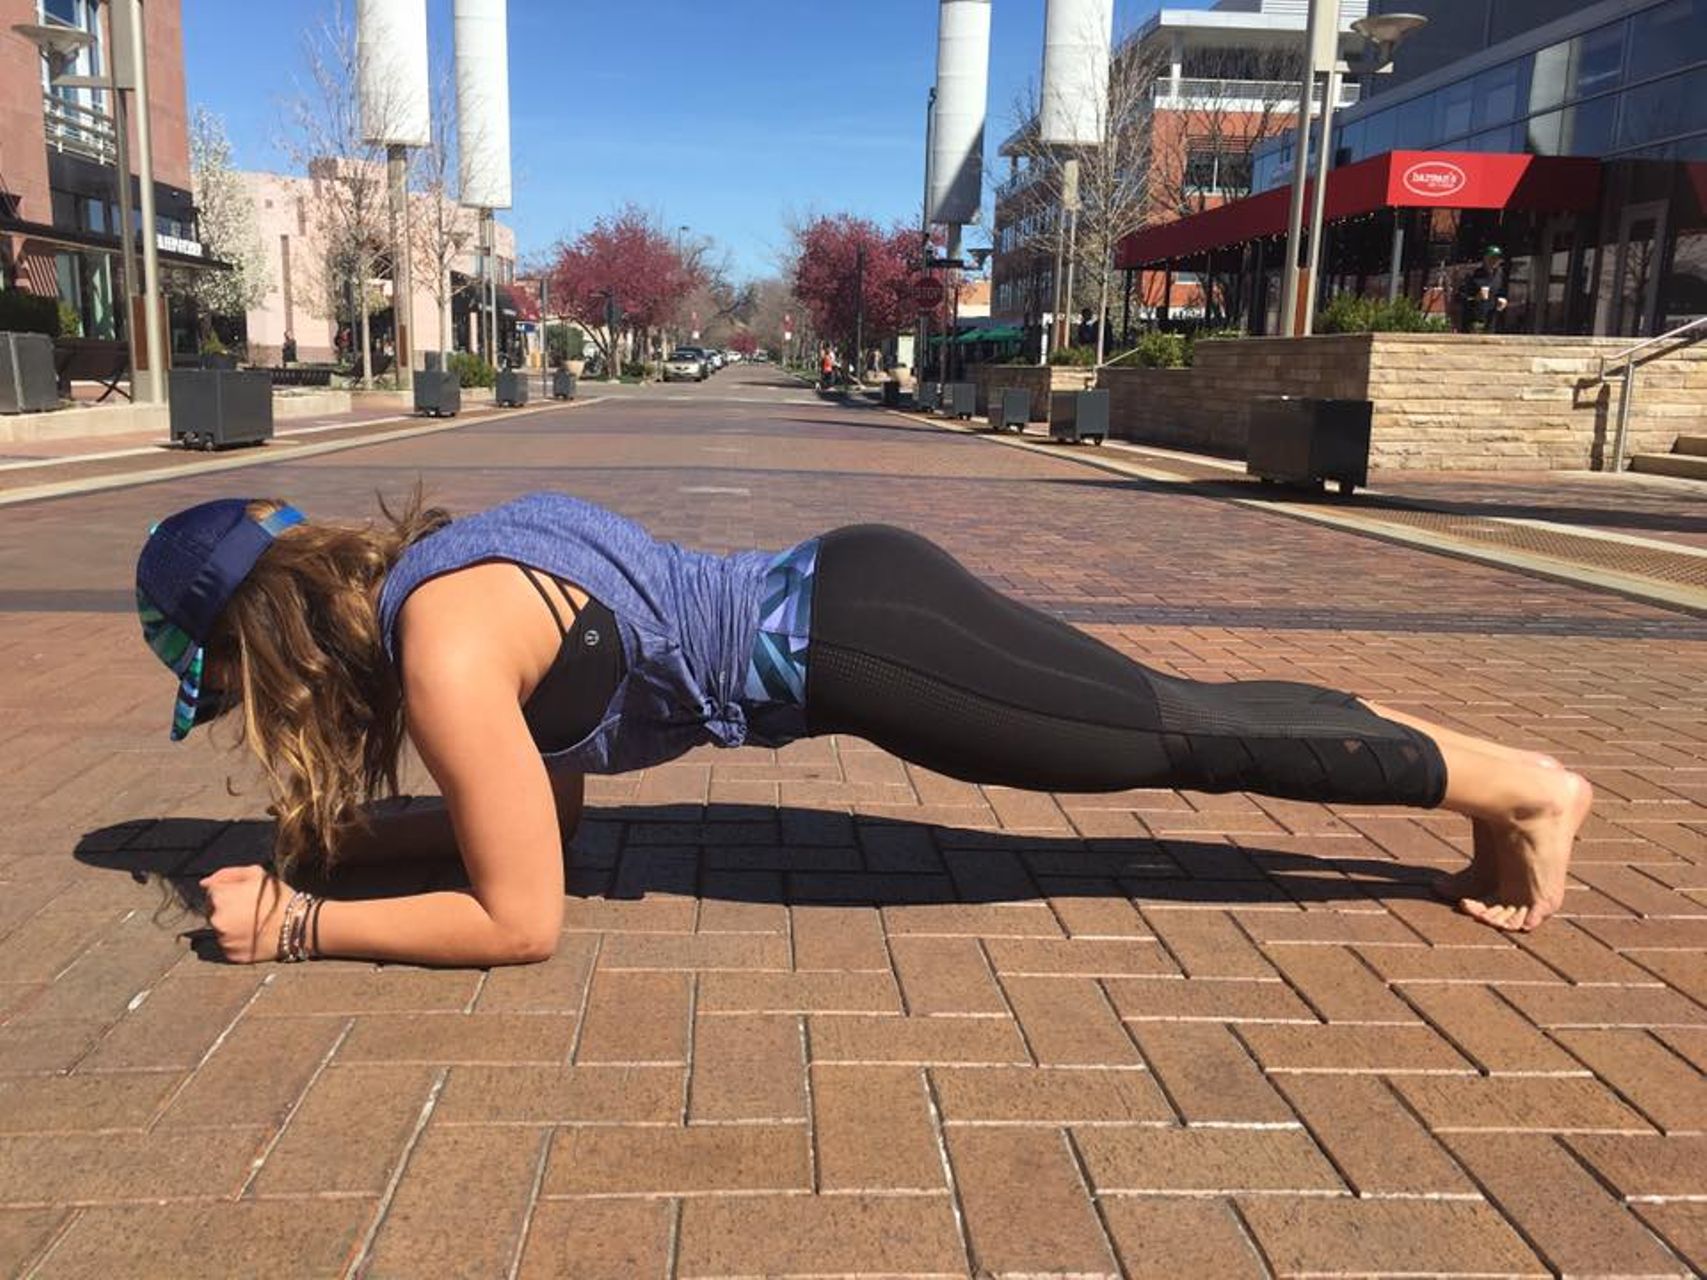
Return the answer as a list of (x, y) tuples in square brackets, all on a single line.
[(292, 929)]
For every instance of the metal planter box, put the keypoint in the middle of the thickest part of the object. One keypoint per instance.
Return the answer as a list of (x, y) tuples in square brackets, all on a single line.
[(512, 388), (218, 408), (28, 383), (960, 399), (1304, 440), (562, 385), (437, 392), (1077, 416), (1010, 407)]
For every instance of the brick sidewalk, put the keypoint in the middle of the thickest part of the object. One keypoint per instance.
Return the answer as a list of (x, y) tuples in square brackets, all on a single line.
[(819, 1011)]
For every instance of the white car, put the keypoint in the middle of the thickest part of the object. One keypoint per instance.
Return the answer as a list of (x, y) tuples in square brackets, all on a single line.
[(685, 365)]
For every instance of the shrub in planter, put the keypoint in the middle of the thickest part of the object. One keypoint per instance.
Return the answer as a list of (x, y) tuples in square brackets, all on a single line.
[(70, 323), (470, 369), (1074, 357), (1352, 313), (1157, 350), (22, 312), (635, 368)]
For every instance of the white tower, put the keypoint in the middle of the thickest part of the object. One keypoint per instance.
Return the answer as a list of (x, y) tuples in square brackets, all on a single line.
[(481, 37)]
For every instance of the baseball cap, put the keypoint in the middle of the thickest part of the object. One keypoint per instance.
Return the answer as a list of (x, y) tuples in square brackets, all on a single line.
[(187, 572)]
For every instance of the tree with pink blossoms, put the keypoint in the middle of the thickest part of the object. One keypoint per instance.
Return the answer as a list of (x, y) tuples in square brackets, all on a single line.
[(623, 264), (827, 271)]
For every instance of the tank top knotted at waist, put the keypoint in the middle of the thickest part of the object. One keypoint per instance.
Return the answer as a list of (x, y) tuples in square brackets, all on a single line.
[(706, 660)]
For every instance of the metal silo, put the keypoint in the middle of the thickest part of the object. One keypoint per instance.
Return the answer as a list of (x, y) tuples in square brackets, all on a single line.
[(1077, 36), (962, 93)]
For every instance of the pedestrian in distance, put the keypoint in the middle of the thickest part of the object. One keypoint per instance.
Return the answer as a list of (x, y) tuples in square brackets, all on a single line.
[(524, 646), (1484, 295)]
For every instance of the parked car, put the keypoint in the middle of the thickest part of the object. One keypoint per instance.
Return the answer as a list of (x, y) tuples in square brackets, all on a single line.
[(685, 365)]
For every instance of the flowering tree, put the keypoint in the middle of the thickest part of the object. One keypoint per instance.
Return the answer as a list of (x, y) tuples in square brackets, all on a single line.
[(627, 257), (827, 271), (225, 217), (744, 342)]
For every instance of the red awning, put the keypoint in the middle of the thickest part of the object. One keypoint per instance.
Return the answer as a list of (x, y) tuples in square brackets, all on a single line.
[(1395, 180)]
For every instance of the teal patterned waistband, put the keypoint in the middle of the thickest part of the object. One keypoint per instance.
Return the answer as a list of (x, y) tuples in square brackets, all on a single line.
[(776, 670)]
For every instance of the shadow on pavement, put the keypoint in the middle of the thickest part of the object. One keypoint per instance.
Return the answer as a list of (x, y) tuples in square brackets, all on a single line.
[(796, 857)]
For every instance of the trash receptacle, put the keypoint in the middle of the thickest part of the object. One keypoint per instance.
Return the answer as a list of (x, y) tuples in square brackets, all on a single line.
[(1077, 416), (927, 395), (1010, 407), (1309, 440), (892, 394), (27, 380), (562, 385)]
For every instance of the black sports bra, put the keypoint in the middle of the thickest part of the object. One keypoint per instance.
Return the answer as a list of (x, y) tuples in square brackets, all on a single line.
[(570, 699)]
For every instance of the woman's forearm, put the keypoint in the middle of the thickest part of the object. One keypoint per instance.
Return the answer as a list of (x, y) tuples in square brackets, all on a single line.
[(445, 928)]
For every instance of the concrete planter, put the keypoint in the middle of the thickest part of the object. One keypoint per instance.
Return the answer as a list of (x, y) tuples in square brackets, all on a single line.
[(563, 385), (1303, 441), (512, 387), (438, 393), (1078, 416), (219, 408), (1010, 407)]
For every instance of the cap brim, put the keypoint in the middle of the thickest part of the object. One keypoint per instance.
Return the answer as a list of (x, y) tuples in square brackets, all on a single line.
[(189, 697)]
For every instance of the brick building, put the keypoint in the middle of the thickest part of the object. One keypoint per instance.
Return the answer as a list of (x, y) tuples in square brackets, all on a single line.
[(58, 166)]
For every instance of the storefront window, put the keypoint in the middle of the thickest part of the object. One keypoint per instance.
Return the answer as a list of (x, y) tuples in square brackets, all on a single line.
[(1499, 90), (1668, 36), (1662, 109), (1507, 137)]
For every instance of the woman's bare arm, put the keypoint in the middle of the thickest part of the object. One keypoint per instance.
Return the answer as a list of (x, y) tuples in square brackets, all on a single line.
[(503, 812), (423, 830)]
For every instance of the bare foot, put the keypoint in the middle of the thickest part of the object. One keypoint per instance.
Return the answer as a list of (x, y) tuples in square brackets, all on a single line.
[(1532, 853), (1480, 879)]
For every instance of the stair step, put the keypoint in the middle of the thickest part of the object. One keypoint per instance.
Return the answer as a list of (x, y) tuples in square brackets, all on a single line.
[(1695, 446), (1689, 466)]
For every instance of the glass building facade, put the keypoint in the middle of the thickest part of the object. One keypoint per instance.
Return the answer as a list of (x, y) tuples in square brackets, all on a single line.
[(1623, 81)]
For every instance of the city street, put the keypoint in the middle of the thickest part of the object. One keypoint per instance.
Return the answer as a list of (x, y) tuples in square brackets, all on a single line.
[(818, 1011)]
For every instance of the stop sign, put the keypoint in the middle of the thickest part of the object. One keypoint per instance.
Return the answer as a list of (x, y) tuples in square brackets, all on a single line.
[(927, 292)]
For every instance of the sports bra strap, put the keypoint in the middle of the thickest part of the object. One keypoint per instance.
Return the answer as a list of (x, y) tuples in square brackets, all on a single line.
[(557, 617)]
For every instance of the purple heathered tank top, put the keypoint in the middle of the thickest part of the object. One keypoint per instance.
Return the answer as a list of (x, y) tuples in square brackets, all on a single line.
[(687, 619)]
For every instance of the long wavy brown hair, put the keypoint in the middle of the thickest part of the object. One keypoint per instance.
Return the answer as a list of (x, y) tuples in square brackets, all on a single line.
[(321, 705)]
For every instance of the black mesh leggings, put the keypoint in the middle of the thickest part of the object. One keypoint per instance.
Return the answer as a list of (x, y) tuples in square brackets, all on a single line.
[(914, 653)]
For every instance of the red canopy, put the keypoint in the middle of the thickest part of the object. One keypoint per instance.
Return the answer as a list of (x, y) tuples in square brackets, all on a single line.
[(1395, 180)]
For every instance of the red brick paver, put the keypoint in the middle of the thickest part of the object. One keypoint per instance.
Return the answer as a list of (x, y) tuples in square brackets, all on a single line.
[(817, 1011)]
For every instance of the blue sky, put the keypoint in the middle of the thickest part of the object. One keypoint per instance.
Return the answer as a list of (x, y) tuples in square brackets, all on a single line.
[(728, 118)]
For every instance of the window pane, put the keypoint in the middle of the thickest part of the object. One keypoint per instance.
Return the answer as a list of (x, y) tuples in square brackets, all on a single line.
[(1600, 60), (1661, 109), (1667, 36), (1504, 138), (65, 11), (1415, 125), (1588, 127), (1452, 113), (1550, 76), (1498, 91), (1545, 133), (1378, 132)]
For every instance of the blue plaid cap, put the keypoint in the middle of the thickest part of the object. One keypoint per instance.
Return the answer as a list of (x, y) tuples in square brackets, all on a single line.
[(187, 572)]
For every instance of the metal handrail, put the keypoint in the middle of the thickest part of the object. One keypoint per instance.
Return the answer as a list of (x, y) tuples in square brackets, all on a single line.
[(1627, 358), (1630, 353)]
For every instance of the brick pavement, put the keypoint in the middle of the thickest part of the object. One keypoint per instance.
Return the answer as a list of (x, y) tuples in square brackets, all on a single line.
[(817, 1011)]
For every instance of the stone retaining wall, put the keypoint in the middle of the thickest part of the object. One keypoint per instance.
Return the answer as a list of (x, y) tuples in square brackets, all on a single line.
[(1442, 401)]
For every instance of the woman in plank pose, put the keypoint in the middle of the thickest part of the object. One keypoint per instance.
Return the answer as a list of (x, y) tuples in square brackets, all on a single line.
[(526, 645)]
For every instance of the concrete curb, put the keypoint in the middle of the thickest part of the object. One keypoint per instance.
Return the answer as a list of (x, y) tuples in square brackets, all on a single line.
[(1630, 586), (96, 484)]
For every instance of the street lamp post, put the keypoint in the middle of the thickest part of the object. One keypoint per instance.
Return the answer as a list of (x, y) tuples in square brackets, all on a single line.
[(1321, 49)]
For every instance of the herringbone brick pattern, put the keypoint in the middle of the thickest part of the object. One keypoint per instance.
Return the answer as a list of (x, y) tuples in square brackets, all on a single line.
[(816, 1011)]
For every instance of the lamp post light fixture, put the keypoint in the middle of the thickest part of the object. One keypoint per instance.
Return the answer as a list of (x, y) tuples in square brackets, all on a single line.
[(127, 71), (1381, 34)]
